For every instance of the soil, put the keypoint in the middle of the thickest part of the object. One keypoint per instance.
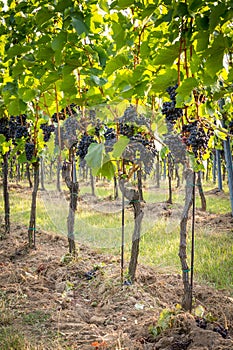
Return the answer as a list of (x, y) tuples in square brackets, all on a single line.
[(81, 302)]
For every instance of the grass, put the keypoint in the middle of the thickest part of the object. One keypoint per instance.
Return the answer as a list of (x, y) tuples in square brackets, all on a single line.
[(159, 245), (213, 254)]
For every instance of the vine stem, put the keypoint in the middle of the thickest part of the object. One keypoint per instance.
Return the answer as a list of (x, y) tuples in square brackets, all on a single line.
[(122, 235), (58, 120), (193, 238)]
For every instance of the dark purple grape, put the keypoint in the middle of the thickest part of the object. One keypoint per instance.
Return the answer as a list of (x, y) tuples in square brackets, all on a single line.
[(29, 150)]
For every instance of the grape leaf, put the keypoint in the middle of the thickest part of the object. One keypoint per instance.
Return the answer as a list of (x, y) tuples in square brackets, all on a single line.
[(115, 63), (120, 146), (59, 41), (94, 157), (107, 170)]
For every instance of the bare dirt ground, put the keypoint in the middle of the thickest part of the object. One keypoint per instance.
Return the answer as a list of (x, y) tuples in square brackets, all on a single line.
[(82, 304)]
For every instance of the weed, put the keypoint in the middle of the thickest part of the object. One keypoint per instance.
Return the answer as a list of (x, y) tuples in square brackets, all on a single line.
[(35, 317)]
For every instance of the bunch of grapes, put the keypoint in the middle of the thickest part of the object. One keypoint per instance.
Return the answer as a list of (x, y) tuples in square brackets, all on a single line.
[(21, 131), (58, 116), (83, 145), (12, 127), (62, 137), (131, 116), (169, 108), (110, 138), (21, 119), (29, 150), (126, 129), (141, 150), (196, 138), (176, 146), (47, 131), (98, 126), (21, 128), (69, 110), (4, 128), (70, 127), (15, 127)]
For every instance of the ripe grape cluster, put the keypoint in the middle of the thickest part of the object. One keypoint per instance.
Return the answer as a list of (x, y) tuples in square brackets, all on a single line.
[(131, 116), (69, 110), (14, 128), (176, 146), (62, 137), (195, 138), (58, 116), (172, 114), (110, 138), (98, 126), (47, 131), (4, 128), (126, 129), (29, 150), (70, 128), (18, 126), (83, 145), (141, 150)]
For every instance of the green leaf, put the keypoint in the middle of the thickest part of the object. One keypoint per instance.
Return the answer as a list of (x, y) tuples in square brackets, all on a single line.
[(167, 55), (27, 95), (43, 15), (115, 63), (22, 158), (98, 81), (221, 135), (148, 11), (102, 54), (17, 50), (214, 63), (184, 91), (94, 157), (103, 5), (164, 152), (79, 25), (45, 53), (68, 84), (215, 13), (202, 41), (107, 170), (181, 10), (74, 60), (59, 41), (122, 4), (11, 87), (16, 107), (202, 22), (52, 77), (62, 5), (162, 81), (194, 5), (120, 146), (145, 50)]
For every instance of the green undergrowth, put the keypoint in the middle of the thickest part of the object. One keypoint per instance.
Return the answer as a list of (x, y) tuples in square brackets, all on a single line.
[(213, 254)]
